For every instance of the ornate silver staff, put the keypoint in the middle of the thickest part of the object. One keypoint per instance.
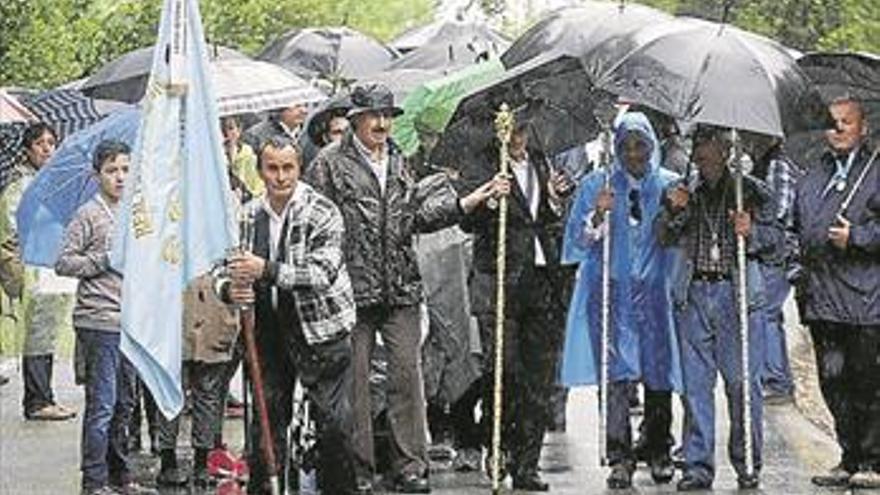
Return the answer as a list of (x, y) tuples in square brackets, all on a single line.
[(743, 306), (504, 123), (606, 306)]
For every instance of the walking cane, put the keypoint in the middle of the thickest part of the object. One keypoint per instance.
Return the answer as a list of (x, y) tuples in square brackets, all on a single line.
[(252, 357), (606, 307), (742, 300), (503, 127)]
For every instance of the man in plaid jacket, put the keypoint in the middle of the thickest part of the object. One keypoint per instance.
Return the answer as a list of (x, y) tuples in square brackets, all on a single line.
[(293, 271)]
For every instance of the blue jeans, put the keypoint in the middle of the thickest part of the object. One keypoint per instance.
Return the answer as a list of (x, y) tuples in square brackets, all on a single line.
[(710, 342), (777, 372), (110, 380)]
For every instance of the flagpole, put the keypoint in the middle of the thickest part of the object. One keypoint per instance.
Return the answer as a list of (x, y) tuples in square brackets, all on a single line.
[(606, 308)]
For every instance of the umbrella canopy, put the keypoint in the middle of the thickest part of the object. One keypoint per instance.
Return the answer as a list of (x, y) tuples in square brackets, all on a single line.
[(431, 105), (711, 73), (402, 82), (331, 53), (446, 30), (66, 110), (553, 94), (11, 110), (835, 75), (248, 86), (125, 77), (454, 45), (64, 184), (577, 31)]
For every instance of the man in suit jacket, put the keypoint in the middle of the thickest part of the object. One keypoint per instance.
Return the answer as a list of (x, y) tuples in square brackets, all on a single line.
[(536, 291)]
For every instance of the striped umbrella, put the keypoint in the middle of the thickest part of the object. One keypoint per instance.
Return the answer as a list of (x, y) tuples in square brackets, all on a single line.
[(66, 110)]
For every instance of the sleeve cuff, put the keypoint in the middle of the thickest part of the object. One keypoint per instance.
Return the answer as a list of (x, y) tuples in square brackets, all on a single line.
[(270, 271)]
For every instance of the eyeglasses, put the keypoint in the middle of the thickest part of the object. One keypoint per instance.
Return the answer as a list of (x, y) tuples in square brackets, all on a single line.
[(635, 207)]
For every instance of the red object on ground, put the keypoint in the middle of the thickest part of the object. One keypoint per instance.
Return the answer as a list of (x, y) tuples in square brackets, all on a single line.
[(224, 464)]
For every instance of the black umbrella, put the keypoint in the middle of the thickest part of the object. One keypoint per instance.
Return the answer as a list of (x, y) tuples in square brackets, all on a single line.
[(402, 81), (836, 75), (711, 73), (125, 77), (577, 31), (445, 31), (332, 53), (552, 94), (453, 45)]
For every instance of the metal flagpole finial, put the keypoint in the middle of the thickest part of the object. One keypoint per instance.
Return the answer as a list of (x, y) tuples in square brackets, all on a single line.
[(504, 122)]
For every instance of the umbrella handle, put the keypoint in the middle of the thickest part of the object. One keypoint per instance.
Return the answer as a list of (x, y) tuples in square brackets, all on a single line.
[(504, 122)]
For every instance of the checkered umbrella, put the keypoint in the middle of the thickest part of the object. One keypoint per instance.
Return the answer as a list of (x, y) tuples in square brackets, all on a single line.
[(10, 151)]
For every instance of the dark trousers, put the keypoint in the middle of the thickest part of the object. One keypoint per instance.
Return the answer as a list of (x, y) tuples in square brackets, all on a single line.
[(407, 415), (848, 358), (109, 385), (656, 425), (466, 431), (207, 383), (325, 372), (37, 376), (532, 336)]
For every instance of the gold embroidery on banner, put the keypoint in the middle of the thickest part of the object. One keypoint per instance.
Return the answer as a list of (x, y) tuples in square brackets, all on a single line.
[(171, 251), (175, 210), (140, 217)]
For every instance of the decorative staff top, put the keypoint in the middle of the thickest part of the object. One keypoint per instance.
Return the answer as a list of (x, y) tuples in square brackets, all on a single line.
[(504, 122)]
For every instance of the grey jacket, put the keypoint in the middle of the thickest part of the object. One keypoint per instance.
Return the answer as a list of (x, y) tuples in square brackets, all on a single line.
[(85, 255), (378, 244)]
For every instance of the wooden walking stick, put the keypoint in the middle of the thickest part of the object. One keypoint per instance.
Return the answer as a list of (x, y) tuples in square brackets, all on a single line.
[(743, 306), (606, 307), (252, 357), (504, 123)]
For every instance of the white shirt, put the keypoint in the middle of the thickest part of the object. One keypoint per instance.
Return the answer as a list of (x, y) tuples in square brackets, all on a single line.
[(276, 220), (378, 167), (291, 133), (521, 170)]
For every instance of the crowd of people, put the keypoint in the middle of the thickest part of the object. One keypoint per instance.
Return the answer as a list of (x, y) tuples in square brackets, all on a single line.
[(330, 265)]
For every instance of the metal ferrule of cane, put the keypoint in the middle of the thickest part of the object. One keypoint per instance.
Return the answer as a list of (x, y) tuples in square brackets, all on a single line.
[(606, 308), (743, 310), (503, 127)]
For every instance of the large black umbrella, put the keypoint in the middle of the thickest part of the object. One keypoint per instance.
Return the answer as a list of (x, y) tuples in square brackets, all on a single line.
[(446, 30), (552, 94), (837, 75), (125, 77), (453, 45), (577, 31), (711, 73), (402, 81), (331, 53)]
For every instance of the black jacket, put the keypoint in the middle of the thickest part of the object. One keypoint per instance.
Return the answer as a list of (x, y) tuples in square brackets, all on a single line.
[(522, 229), (835, 285), (379, 228)]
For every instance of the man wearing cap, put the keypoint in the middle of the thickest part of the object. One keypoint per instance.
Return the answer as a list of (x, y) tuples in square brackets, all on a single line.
[(383, 208), (703, 222), (839, 290)]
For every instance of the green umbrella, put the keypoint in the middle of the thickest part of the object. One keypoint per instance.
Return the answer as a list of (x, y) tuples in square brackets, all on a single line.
[(430, 105)]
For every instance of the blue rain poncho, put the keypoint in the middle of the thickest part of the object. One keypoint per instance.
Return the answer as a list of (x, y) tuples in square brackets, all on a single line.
[(643, 341)]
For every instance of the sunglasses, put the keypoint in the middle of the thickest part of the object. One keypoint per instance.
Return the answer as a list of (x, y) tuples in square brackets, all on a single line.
[(635, 208)]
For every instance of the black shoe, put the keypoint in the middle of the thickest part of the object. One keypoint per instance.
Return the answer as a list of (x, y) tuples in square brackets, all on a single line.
[(748, 482), (172, 477), (621, 476), (662, 470), (364, 487), (678, 457), (692, 484), (412, 483), (530, 482), (838, 476)]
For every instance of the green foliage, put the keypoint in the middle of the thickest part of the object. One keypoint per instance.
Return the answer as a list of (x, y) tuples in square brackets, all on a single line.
[(802, 24), (44, 43)]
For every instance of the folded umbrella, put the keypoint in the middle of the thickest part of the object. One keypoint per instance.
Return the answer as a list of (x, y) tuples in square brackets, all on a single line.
[(63, 184)]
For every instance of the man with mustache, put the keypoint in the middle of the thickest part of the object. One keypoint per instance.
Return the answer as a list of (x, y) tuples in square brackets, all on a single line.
[(384, 208)]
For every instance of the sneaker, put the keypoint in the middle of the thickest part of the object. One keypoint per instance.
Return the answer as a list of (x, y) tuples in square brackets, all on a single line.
[(748, 482), (467, 460), (52, 412), (838, 476), (132, 488), (865, 480)]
